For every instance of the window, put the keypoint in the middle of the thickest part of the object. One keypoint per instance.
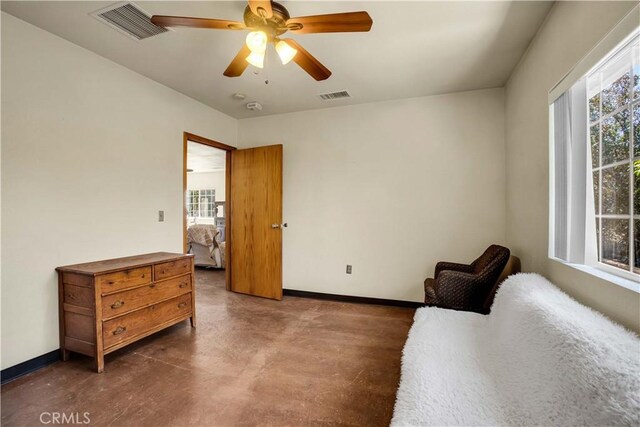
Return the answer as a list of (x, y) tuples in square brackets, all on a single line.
[(595, 165), (201, 203), (614, 134)]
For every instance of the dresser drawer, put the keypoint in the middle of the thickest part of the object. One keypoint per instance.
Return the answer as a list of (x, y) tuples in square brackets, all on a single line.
[(171, 269), (121, 302), (133, 324), (124, 279)]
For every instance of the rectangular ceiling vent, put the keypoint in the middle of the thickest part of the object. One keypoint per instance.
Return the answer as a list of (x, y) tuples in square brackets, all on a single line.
[(332, 96), (130, 20)]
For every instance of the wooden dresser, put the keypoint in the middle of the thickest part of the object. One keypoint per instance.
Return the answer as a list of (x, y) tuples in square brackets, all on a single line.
[(106, 305)]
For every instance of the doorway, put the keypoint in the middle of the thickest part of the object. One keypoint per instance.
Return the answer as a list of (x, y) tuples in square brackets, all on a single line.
[(246, 224), (206, 200)]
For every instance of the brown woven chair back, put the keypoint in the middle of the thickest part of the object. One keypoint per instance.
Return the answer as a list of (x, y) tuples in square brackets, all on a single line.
[(492, 257)]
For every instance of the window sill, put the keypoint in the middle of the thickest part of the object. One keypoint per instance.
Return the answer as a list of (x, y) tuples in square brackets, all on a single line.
[(604, 275)]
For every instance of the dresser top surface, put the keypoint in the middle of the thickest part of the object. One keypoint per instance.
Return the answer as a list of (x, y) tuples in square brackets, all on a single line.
[(115, 264)]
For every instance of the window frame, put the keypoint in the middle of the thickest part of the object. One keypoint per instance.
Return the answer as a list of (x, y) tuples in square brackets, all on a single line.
[(632, 273), (578, 247)]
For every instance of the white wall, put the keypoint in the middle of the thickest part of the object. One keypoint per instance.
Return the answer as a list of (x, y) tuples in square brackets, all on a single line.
[(90, 152), (571, 30), (389, 187), (208, 180)]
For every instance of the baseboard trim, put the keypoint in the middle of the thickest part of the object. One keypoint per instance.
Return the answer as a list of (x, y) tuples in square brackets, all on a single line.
[(26, 367), (352, 299)]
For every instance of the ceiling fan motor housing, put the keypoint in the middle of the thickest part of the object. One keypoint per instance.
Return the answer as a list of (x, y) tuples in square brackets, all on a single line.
[(274, 26)]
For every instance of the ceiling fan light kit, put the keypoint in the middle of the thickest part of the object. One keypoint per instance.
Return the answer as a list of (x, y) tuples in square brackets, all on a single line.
[(285, 52), (267, 21), (257, 41), (256, 59)]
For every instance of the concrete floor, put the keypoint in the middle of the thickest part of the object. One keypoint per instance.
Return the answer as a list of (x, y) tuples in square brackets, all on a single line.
[(251, 361)]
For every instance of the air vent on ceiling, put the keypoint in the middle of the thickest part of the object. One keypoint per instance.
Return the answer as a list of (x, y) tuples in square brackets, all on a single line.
[(334, 95), (129, 19)]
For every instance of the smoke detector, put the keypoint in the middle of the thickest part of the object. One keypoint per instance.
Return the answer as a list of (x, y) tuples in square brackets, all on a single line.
[(254, 106)]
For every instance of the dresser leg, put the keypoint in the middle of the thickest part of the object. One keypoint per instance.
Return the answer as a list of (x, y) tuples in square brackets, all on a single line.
[(193, 321), (99, 364), (64, 354)]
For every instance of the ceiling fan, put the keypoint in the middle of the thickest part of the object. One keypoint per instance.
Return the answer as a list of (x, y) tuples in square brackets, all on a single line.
[(268, 21)]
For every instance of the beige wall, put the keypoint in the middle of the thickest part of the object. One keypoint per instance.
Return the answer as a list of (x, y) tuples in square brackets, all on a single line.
[(390, 187), (571, 30), (90, 152)]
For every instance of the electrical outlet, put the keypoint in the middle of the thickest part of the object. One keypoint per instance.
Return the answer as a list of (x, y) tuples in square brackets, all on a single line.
[(160, 216), (348, 269)]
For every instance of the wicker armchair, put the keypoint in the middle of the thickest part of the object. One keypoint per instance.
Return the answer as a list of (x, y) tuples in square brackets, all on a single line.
[(468, 287)]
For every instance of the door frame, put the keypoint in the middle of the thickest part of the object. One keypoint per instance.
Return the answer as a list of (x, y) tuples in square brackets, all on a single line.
[(227, 208)]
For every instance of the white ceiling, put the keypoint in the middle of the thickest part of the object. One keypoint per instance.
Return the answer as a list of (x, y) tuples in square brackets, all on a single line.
[(414, 49), (202, 158)]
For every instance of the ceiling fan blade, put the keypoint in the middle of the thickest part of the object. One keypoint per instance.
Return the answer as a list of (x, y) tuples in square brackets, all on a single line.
[(307, 62), (332, 23), (239, 63), (184, 21), (261, 8)]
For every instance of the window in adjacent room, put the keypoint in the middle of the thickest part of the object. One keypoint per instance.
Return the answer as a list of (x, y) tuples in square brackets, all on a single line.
[(201, 203)]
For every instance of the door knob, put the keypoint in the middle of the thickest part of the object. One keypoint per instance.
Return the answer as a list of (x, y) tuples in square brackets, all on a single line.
[(279, 225)]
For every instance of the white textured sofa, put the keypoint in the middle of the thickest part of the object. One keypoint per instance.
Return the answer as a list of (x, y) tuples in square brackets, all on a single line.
[(539, 358)]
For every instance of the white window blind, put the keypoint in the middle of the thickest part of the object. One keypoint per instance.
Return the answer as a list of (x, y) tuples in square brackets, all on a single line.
[(569, 173), (561, 133)]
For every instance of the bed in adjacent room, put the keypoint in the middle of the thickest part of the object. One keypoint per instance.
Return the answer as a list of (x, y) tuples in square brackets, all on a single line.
[(204, 241)]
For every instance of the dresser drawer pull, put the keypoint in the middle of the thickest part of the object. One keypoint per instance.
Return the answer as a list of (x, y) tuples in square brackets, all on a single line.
[(117, 304), (119, 330), (183, 285), (182, 304), (153, 285)]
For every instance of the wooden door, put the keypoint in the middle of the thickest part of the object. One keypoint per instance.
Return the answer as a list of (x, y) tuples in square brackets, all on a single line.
[(256, 218)]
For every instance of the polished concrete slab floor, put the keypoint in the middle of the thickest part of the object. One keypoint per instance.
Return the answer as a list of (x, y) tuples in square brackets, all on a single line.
[(250, 361)]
